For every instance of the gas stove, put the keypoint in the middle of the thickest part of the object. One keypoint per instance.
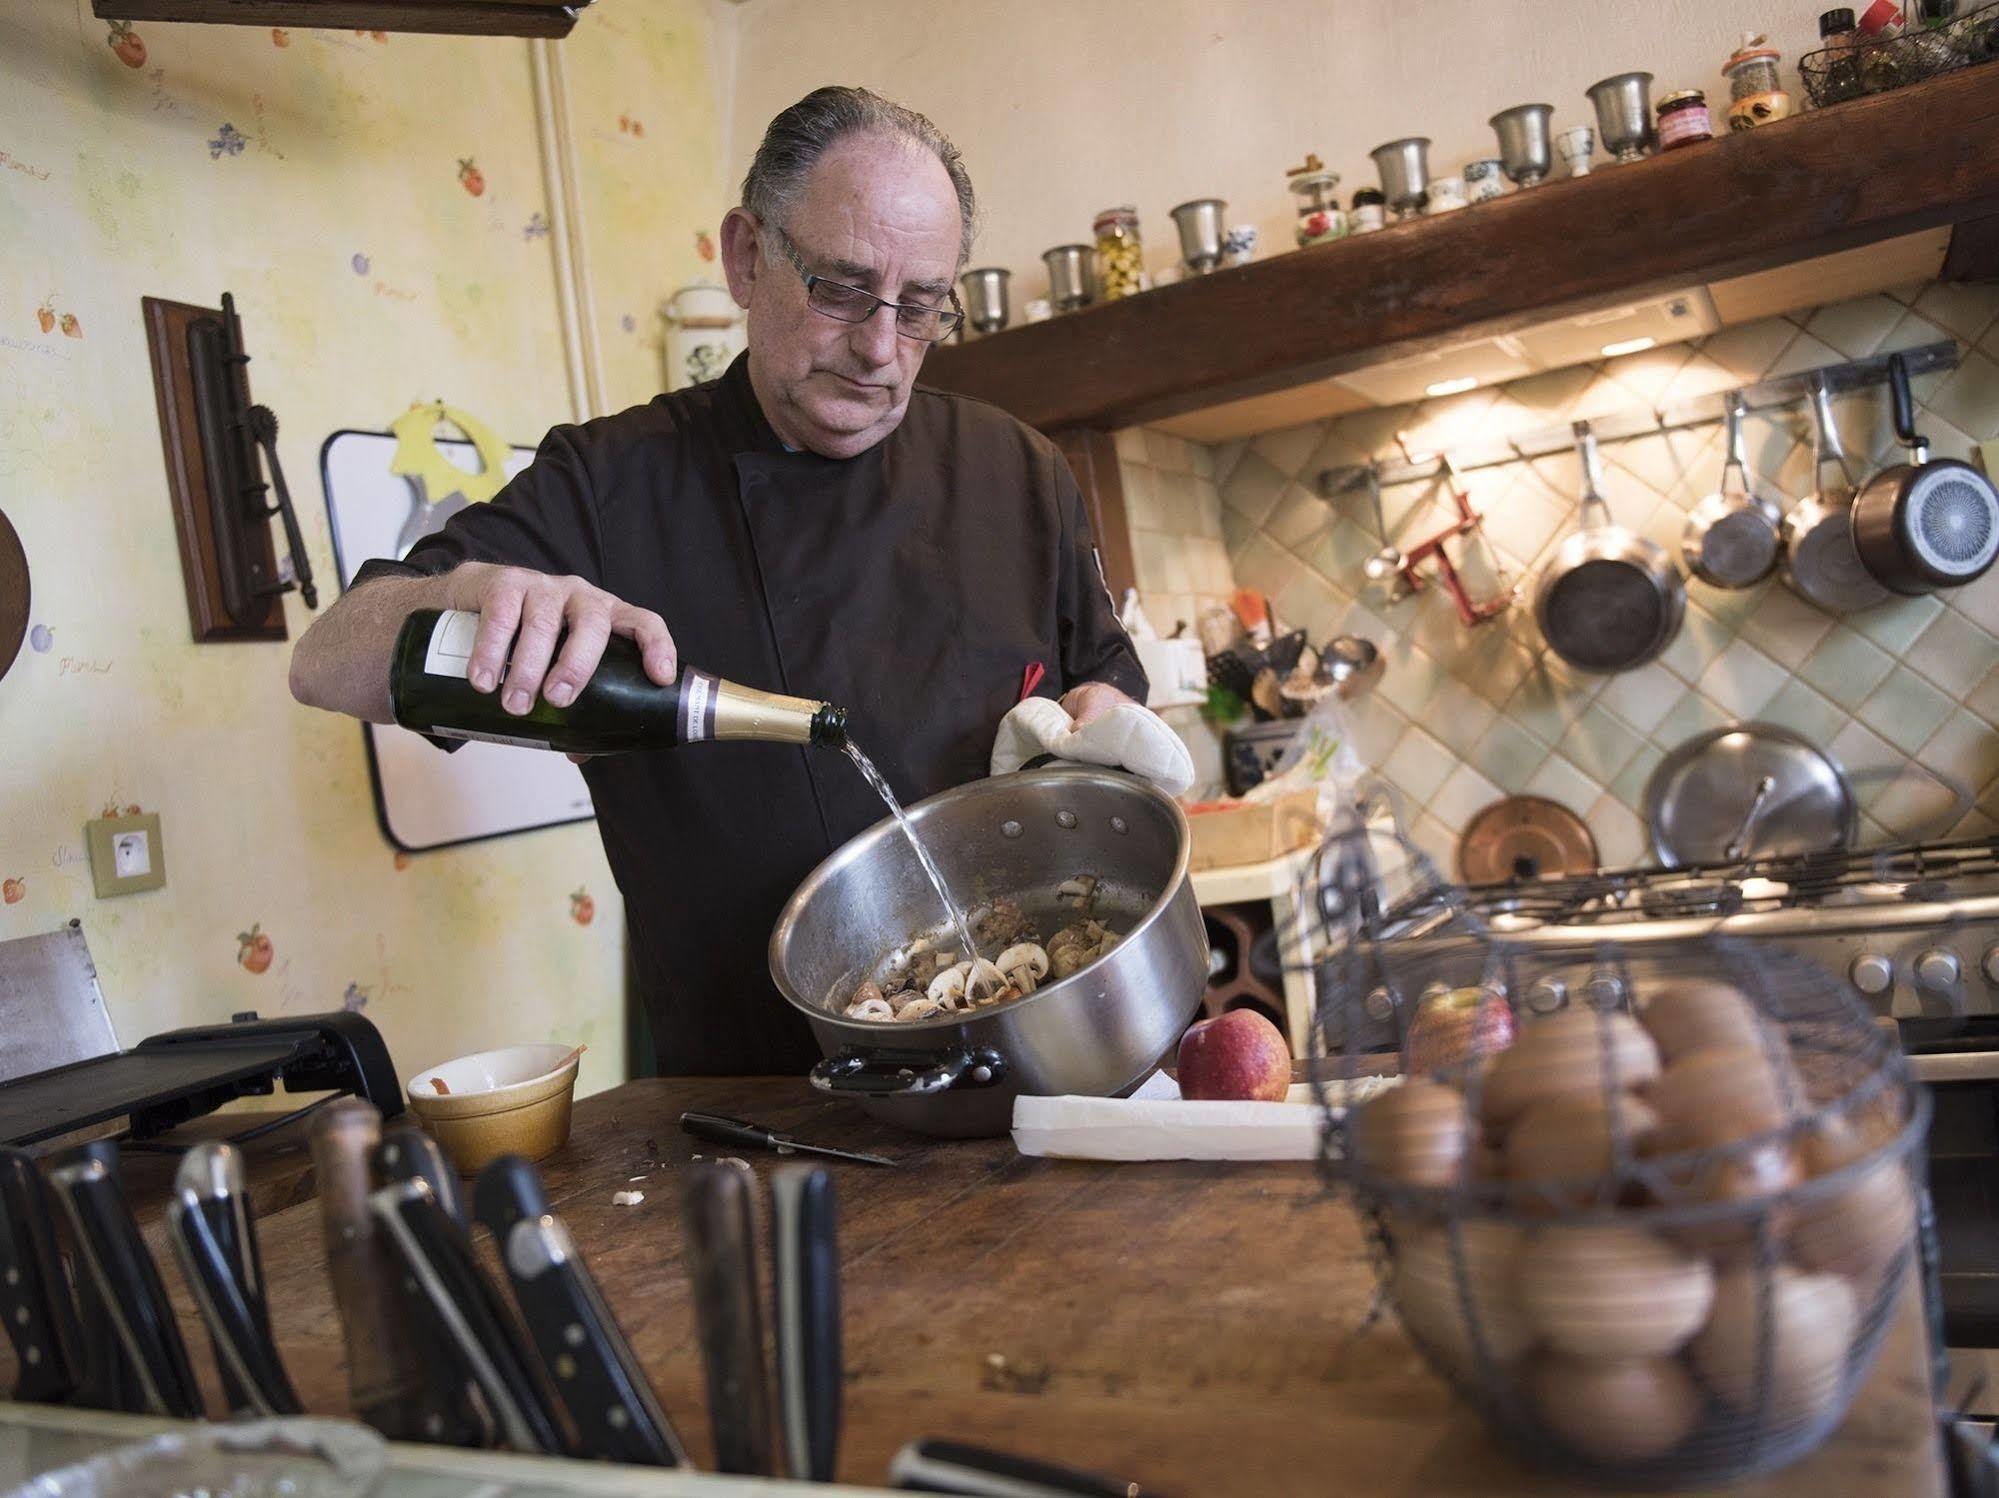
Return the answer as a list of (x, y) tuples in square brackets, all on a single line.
[(1914, 930)]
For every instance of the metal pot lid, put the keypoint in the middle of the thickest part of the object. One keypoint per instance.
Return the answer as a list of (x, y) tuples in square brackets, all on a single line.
[(1747, 790), (13, 594), (1525, 837)]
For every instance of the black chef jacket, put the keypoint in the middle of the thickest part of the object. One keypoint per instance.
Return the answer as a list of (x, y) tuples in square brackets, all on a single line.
[(914, 585)]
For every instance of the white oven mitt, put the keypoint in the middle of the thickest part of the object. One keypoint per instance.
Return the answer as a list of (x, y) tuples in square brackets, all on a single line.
[(1128, 735)]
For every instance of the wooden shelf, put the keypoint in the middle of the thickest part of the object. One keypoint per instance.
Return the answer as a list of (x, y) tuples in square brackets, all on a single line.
[(1827, 181)]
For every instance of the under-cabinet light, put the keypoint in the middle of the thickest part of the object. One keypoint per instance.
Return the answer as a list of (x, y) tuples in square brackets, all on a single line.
[(1452, 387), (1628, 346)]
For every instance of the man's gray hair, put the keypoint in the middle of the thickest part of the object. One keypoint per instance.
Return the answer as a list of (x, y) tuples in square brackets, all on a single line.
[(795, 140)]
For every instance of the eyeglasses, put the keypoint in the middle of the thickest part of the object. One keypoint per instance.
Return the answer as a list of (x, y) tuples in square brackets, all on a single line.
[(851, 304)]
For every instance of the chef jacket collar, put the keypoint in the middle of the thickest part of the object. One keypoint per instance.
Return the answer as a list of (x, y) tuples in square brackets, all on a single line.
[(754, 443)]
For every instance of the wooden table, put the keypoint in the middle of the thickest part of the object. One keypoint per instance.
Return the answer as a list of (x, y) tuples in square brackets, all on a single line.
[(1204, 1328)]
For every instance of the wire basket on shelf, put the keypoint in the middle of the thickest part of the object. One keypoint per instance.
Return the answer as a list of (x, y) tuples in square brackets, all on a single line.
[(1654, 1223), (1835, 74)]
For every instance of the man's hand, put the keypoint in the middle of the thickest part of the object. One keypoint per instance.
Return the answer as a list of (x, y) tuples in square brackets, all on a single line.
[(529, 610), (1091, 701)]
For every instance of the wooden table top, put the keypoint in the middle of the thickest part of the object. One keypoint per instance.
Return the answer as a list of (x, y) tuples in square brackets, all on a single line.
[(1203, 1328)]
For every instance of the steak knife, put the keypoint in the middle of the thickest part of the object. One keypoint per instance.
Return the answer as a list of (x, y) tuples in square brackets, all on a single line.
[(934, 1466), (721, 1257), (616, 1414), (128, 1284), (209, 1223), (34, 1291), (407, 1392), (466, 1312), (805, 1300)]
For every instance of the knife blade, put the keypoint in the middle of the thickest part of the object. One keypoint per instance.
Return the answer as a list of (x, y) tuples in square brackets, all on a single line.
[(34, 1291), (128, 1283), (718, 1129), (396, 1385), (208, 1221), (409, 1154), (805, 1297), (935, 1466), (616, 1414), (467, 1314), (719, 1208)]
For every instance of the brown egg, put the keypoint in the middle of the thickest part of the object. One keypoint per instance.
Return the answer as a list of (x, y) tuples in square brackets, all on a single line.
[(1571, 1140), (1575, 1051), (1858, 1229), (1702, 1014), (1427, 1292), (1612, 1292), (1627, 1411), (1416, 1134), (1756, 1175), (1811, 1324), (1711, 1098)]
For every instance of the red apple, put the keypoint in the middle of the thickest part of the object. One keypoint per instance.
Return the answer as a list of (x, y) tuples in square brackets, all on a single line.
[(1237, 1055), (1455, 1026)]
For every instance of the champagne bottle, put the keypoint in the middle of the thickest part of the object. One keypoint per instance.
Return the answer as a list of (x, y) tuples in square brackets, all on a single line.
[(620, 708)]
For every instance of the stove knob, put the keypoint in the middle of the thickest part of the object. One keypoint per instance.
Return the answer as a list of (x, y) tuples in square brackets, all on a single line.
[(1546, 995), (1605, 991), (1991, 964), (1938, 970), (1872, 974), (1380, 1007)]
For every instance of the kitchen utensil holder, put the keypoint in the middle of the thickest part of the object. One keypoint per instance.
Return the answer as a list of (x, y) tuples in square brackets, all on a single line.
[(1833, 1067), (1623, 426), (1833, 75)]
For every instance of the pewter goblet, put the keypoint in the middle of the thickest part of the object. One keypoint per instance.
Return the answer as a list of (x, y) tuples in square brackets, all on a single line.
[(1624, 114), (1405, 173), (1523, 142)]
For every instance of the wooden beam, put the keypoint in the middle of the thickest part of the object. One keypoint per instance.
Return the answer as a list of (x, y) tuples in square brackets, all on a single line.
[(1826, 181), (450, 17), (1974, 251), (1092, 456)]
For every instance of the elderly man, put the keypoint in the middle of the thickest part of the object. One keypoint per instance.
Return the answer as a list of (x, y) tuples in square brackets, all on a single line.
[(814, 523)]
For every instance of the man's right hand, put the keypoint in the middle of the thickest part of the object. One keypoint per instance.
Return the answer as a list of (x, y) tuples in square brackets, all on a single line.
[(529, 611)]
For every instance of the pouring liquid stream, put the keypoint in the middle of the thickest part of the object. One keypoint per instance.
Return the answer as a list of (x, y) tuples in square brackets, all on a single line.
[(936, 876)]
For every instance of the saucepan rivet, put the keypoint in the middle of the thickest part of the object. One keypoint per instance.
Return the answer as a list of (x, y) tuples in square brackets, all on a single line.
[(1118, 825), (1009, 829), (982, 1074), (1065, 819)]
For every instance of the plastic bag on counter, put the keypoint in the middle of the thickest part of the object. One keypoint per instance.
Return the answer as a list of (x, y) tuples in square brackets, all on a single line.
[(1321, 756), (296, 1458)]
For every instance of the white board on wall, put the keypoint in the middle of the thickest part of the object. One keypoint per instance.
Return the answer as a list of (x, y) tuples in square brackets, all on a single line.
[(424, 797)]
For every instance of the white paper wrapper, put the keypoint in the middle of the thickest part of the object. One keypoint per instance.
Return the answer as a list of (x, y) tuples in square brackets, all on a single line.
[(1155, 1123)]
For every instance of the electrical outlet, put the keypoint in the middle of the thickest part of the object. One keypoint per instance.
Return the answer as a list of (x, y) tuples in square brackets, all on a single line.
[(127, 854)]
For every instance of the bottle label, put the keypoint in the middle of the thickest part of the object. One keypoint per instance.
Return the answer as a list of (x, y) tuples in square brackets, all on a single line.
[(698, 692), (487, 738), (450, 649)]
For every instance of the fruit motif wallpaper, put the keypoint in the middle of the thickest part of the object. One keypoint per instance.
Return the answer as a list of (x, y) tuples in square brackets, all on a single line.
[(375, 201)]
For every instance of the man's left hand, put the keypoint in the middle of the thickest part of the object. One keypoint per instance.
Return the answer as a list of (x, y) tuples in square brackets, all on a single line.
[(1091, 701)]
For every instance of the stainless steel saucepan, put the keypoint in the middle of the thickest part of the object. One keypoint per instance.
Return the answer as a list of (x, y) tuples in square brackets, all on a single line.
[(1098, 1033), (1611, 599), (1820, 562), (1924, 524), (1733, 536)]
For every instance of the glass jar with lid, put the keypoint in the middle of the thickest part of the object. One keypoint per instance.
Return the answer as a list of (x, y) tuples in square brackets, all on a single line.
[(1320, 217), (1120, 254), (1683, 119), (1755, 96)]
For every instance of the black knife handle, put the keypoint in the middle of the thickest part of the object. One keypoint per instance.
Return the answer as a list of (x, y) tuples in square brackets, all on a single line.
[(934, 1466), (250, 1365), (34, 1292), (605, 1391), (405, 1389), (110, 1381), (506, 1191), (467, 1313), (409, 1154), (805, 1296), (717, 1129), (721, 1265), (210, 1183), (128, 1281)]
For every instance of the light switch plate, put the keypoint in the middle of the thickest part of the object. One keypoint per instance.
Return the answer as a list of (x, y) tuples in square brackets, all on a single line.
[(126, 854)]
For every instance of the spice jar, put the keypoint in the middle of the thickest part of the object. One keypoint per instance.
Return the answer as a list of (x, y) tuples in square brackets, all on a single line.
[(1754, 95), (1370, 210), (1120, 254), (1319, 215), (1683, 119), (1842, 62)]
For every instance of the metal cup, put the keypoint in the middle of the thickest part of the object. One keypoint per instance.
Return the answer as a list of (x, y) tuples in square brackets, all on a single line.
[(1072, 276), (985, 298), (1523, 141), (1200, 226), (1624, 114), (1405, 173)]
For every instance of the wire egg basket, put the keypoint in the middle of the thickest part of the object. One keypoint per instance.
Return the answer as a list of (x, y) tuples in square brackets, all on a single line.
[(1649, 1207)]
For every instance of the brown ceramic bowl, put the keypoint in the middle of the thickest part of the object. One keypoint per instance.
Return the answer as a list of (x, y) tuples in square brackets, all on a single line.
[(513, 1101)]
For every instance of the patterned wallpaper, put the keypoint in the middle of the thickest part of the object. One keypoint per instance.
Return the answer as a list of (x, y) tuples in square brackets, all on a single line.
[(1464, 716)]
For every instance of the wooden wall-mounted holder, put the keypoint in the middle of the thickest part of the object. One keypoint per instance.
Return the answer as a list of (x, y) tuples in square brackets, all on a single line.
[(208, 427)]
